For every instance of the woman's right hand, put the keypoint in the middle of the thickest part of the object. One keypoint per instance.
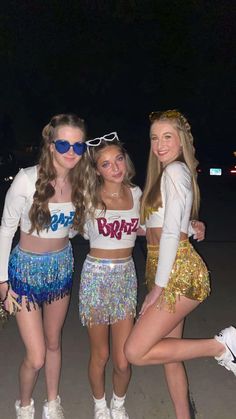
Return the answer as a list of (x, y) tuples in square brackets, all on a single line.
[(10, 304), (4, 286), (151, 298)]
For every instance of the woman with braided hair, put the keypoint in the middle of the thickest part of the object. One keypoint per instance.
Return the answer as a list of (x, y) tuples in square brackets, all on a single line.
[(176, 275), (37, 276)]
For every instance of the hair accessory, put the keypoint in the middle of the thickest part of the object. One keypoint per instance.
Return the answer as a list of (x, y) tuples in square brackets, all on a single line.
[(172, 113)]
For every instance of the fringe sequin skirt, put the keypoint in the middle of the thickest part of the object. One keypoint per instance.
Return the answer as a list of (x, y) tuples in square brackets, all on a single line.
[(189, 276), (41, 277), (108, 290)]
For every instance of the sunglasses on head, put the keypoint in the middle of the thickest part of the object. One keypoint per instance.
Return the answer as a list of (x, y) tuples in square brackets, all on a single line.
[(63, 146), (97, 141)]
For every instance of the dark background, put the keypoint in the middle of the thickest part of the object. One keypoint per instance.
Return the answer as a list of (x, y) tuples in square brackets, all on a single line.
[(112, 62)]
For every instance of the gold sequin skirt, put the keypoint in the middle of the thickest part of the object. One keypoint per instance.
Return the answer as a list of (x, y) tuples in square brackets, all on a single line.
[(189, 276)]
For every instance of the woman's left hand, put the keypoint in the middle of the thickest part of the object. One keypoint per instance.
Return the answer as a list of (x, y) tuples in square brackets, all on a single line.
[(151, 298), (199, 230)]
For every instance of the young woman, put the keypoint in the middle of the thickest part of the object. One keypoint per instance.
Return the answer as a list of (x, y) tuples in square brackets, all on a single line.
[(108, 286), (38, 273), (177, 276)]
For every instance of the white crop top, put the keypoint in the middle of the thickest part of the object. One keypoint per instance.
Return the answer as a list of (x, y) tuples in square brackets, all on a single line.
[(173, 217), (114, 229), (18, 202)]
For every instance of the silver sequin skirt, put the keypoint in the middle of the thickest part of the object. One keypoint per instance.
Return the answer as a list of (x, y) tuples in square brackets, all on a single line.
[(41, 277), (108, 290)]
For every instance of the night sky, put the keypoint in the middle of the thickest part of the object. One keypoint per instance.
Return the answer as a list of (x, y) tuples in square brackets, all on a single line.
[(112, 62)]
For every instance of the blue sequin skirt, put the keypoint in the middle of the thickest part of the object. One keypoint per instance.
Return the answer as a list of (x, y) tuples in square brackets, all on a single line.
[(108, 291), (41, 277)]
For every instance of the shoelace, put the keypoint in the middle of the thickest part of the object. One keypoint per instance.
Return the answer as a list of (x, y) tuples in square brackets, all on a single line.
[(119, 413), (56, 412), (27, 414), (103, 414)]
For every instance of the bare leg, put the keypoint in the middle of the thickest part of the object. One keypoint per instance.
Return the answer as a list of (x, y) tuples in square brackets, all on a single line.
[(177, 381), (53, 319), (122, 369), (148, 343), (31, 331), (99, 355)]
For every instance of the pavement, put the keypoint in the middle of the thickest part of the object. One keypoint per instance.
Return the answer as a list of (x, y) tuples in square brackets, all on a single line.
[(212, 387)]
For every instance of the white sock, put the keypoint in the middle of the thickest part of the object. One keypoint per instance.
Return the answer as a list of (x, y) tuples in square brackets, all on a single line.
[(100, 403), (118, 401)]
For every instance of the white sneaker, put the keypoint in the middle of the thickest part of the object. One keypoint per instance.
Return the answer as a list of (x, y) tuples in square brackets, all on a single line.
[(53, 409), (118, 412), (102, 413), (228, 338), (26, 412)]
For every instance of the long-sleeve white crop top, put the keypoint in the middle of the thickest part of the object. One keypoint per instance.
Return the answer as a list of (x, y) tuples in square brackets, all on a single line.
[(18, 202), (114, 229), (173, 216)]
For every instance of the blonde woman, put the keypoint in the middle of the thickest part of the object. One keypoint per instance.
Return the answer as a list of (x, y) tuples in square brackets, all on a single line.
[(44, 200), (176, 275)]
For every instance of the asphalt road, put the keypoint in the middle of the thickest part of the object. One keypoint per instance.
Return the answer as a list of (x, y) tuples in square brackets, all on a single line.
[(212, 387)]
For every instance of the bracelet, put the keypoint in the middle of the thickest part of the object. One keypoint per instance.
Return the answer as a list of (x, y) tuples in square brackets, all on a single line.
[(8, 287)]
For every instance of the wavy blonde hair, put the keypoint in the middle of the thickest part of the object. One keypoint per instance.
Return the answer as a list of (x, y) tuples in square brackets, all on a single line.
[(151, 198), (39, 213), (91, 182)]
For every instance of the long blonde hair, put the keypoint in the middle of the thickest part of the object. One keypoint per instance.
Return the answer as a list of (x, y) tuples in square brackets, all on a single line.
[(39, 213), (91, 182), (151, 198)]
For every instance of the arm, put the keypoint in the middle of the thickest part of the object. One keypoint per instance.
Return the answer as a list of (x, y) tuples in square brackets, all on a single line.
[(14, 204), (176, 186)]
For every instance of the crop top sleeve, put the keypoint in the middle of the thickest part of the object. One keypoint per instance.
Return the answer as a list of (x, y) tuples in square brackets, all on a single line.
[(176, 187), (18, 201)]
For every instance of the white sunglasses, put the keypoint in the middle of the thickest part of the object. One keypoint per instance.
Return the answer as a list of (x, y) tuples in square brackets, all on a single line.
[(97, 141)]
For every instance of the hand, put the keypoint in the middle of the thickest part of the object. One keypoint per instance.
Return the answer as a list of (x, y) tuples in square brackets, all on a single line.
[(4, 287), (8, 296), (199, 230), (11, 305), (151, 298)]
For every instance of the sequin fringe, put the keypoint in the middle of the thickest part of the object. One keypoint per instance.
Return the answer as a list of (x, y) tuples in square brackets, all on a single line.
[(108, 291), (189, 276), (41, 277)]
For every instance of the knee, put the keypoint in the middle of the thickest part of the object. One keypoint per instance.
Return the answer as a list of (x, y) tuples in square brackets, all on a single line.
[(121, 366), (131, 354), (53, 345), (100, 358), (35, 361)]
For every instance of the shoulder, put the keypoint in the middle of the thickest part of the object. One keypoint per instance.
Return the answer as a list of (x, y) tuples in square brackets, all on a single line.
[(178, 173), (136, 192), (24, 178)]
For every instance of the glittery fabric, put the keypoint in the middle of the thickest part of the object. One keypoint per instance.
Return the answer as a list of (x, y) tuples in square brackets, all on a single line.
[(41, 277), (108, 290), (189, 276)]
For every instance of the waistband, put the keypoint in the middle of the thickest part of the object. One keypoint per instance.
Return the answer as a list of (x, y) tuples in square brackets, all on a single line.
[(93, 259), (54, 252), (183, 244)]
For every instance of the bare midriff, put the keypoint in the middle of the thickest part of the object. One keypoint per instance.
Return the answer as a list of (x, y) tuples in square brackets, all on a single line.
[(111, 253), (35, 244), (153, 236)]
